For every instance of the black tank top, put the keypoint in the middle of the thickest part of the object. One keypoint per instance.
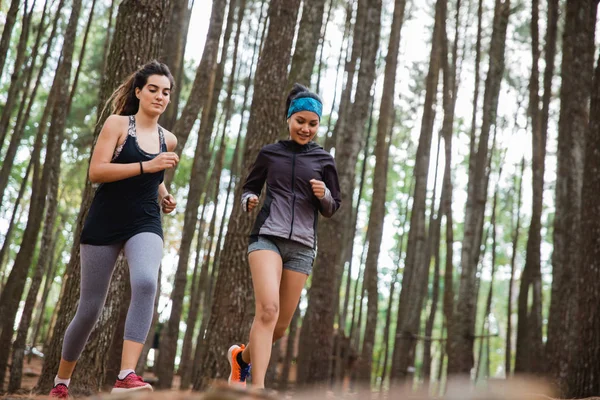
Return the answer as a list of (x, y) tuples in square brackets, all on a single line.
[(124, 208)]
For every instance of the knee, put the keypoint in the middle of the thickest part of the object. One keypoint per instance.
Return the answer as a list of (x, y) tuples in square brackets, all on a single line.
[(144, 287), (279, 331), (268, 313)]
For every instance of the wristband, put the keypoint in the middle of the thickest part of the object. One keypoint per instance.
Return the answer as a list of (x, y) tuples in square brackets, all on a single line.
[(141, 169)]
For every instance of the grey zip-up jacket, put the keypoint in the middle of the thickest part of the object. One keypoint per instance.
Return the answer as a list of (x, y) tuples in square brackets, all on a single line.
[(290, 209)]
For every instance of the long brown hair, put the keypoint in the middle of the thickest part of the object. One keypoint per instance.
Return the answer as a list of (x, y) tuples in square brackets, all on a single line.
[(123, 101)]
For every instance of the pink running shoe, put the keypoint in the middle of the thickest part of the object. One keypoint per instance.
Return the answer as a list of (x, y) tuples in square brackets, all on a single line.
[(132, 382), (60, 391)]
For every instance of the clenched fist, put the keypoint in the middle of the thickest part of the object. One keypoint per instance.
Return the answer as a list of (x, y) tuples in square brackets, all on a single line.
[(252, 203), (161, 162), (168, 204), (318, 187)]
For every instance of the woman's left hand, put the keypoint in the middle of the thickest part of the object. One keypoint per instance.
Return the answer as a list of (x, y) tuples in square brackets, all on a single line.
[(318, 187), (168, 204)]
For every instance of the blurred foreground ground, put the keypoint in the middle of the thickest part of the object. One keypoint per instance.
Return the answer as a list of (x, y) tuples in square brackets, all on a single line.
[(457, 390)]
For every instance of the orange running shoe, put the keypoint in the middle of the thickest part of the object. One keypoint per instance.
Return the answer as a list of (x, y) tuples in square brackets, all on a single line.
[(239, 373)]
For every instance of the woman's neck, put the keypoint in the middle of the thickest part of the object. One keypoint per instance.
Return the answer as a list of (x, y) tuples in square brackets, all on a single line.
[(144, 120)]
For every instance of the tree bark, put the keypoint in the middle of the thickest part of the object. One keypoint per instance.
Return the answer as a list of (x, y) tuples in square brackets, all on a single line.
[(461, 330), (377, 212), (201, 87), (317, 329), (583, 377), (530, 346), (226, 326), (9, 23), (303, 61), (416, 268), (515, 243), (138, 36), (172, 54), (576, 76)]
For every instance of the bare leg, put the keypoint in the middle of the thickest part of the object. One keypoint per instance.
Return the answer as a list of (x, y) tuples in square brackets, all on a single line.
[(290, 290), (131, 354), (266, 267), (65, 368)]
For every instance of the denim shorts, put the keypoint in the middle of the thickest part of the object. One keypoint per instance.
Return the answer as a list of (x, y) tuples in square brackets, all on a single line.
[(295, 256)]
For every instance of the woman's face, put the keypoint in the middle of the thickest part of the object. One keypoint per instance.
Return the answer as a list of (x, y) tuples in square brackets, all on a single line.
[(303, 126), (155, 95)]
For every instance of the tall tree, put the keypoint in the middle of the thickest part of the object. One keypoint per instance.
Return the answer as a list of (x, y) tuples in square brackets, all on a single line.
[(172, 54), (9, 23), (416, 267), (15, 285), (138, 37), (583, 377), (316, 333), (576, 77), (516, 229), (230, 318), (309, 33), (530, 346), (461, 330), (203, 82), (377, 212)]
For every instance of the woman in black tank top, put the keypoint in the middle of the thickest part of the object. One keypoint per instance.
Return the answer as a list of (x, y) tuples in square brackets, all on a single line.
[(128, 163)]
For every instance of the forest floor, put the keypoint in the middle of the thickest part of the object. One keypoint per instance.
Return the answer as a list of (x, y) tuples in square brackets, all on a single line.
[(498, 390)]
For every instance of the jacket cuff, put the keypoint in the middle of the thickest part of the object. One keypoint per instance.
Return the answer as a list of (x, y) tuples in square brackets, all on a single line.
[(245, 197)]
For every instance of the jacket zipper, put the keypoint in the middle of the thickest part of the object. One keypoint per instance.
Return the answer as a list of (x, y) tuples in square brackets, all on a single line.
[(293, 193)]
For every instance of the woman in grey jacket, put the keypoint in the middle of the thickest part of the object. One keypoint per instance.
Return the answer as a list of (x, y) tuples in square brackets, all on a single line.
[(301, 181)]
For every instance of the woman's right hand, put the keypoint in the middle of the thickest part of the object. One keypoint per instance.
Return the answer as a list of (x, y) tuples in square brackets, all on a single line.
[(161, 162), (252, 203)]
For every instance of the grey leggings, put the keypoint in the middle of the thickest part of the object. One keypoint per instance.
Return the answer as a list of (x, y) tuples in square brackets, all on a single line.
[(144, 253)]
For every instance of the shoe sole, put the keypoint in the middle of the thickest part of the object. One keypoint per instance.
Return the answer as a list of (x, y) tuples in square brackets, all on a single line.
[(230, 359), (123, 390)]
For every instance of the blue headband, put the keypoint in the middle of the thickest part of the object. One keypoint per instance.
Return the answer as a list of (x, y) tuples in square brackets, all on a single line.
[(305, 104)]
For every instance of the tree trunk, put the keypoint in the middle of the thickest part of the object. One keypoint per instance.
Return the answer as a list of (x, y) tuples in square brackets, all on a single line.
[(138, 34), (432, 249), (485, 328), (416, 268), (303, 61), (9, 23), (530, 344), (576, 76), (377, 212), (17, 76), (226, 326), (461, 330), (322, 46), (329, 136), (201, 87), (172, 54), (515, 243), (317, 329), (15, 285), (11, 224), (583, 377)]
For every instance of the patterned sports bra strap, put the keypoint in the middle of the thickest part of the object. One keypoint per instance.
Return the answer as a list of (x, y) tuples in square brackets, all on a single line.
[(161, 135)]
